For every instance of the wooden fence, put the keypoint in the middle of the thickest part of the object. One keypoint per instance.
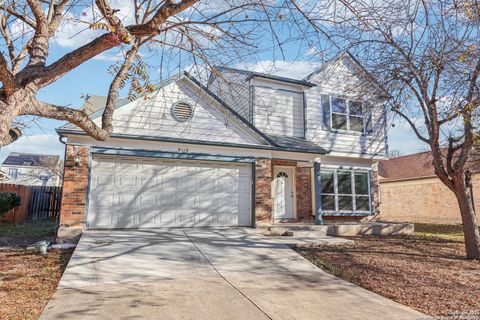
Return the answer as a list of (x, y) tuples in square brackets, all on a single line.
[(20, 213), (37, 202)]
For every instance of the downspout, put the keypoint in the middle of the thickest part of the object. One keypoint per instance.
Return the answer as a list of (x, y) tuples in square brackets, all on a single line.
[(57, 221)]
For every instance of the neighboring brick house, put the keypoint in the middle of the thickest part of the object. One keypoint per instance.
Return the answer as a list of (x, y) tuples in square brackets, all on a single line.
[(243, 149), (410, 191)]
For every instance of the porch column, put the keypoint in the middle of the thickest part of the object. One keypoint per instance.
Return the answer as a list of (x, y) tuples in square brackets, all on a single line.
[(318, 193)]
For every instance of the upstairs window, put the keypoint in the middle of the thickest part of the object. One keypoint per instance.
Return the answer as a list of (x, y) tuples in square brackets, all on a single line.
[(346, 115)]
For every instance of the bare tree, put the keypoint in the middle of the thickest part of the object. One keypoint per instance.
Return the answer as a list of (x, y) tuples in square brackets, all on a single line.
[(426, 55), (203, 31), (394, 153)]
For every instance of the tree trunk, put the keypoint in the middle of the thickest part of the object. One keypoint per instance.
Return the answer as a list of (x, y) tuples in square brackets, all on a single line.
[(469, 218)]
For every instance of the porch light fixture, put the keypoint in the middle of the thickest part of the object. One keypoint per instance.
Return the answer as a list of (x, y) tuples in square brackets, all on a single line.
[(76, 160)]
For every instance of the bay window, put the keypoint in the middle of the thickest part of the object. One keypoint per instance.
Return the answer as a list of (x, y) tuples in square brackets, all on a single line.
[(345, 190)]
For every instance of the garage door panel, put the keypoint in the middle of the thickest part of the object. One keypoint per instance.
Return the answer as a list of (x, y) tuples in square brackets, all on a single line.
[(168, 193)]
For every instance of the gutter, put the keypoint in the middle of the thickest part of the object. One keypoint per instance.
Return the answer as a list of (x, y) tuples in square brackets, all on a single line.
[(63, 132)]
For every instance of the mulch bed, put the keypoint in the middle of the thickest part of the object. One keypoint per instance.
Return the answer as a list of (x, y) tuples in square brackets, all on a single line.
[(28, 280), (429, 275)]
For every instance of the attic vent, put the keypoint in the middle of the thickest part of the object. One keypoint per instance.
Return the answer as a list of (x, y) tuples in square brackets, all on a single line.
[(182, 111)]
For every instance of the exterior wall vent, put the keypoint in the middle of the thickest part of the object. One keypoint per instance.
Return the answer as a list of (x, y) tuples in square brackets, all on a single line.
[(182, 111)]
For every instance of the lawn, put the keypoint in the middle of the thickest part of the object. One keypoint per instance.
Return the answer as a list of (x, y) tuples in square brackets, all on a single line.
[(426, 272), (25, 234), (27, 279)]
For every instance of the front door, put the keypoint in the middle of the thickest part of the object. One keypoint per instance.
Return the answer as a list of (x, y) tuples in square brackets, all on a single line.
[(283, 192)]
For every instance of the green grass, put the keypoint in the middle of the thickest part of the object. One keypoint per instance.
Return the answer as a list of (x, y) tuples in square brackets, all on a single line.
[(40, 228), (451, 232)]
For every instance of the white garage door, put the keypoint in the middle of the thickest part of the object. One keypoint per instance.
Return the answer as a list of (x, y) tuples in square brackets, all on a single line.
[(147, 193)]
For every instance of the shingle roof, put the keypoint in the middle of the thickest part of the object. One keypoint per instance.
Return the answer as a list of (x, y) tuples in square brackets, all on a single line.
[(30, 159), (417, 165), (294, 143), (253, 74)]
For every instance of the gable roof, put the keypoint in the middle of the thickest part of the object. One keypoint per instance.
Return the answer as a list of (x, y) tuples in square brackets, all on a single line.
[(224, 105), (273, 142), (30, 159), (253, 74), (413, 166), (346, 54)]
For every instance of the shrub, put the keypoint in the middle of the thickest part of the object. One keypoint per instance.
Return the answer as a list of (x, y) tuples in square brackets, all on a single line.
[(8, 200)]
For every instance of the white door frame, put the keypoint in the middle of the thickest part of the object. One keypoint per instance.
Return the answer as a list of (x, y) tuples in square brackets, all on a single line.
[(294, 188)]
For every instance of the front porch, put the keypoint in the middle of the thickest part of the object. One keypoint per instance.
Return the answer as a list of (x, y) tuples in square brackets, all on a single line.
[(342, 229), (290, 192)]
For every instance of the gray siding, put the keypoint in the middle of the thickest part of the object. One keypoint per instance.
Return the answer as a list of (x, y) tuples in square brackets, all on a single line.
[(152, 117), (341, 79), (278, 111)]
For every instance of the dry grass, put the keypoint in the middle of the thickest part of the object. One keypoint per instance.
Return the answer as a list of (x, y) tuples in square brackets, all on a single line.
[(28, 280), (429, 274)]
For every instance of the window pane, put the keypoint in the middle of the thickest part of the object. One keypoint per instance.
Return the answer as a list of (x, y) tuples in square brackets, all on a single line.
[(339, 121), (362, 203), (328, 202), (344, 182), (345, 203), (361, 183), (326, 179), (339, 105), (356, 124), (355, 108)]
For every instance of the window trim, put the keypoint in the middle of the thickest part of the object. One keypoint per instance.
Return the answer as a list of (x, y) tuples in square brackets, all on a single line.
[(353, 194), (347, 101)]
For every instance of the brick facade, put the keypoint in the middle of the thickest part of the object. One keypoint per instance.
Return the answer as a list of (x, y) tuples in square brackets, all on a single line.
[(304, 193), (75, 185), (423, 200), (74, 193), (263, 191)]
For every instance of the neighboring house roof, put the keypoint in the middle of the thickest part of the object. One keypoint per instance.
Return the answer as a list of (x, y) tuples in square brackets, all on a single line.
[(30, 159), (413, 166), (254, 74)]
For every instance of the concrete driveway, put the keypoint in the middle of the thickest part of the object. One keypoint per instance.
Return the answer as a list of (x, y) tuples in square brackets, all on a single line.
[(204, 274)]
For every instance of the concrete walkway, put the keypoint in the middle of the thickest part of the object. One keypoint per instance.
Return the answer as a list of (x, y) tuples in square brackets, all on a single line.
[(204, 274)]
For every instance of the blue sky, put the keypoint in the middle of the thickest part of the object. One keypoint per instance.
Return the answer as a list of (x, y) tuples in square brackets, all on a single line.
[(92, 78)]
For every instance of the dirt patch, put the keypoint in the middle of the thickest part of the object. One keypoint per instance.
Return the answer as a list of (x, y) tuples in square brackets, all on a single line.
[(426, 274), (28, 280)]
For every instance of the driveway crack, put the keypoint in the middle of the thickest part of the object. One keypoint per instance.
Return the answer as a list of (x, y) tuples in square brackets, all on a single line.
[(225, 279)]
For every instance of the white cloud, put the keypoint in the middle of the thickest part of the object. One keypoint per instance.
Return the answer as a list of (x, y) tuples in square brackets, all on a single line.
[(298, 69), (41, 144)]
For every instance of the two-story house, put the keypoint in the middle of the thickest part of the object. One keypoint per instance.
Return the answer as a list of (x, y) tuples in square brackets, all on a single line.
[(243, 149), (32, 169)]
